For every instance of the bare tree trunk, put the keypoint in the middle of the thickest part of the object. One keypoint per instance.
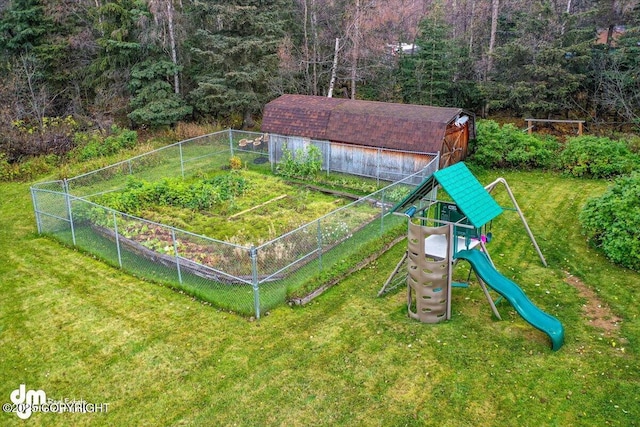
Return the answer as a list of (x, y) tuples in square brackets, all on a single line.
[(354, 53), (454, 11), (610, 35), (334, 68), (247, 119), (495, 6), (568, 11), (473, 18), (172, 42), (314, 29), (431, 71), (305, 31), (37, 98), (97, 3)]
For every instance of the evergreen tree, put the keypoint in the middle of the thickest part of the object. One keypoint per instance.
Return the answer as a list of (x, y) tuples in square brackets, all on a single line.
[(119, 26), (542, 68), (24, 26), (235, 55), (35, 51), (440, 71), (154, 100), (426, 76)]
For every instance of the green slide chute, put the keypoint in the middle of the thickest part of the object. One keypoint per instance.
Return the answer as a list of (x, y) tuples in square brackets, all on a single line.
[(515, 295)]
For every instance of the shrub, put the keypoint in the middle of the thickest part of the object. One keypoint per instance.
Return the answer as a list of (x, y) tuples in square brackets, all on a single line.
[(51, 135), (27, 169), (509, 147), (306, 163), (632, 141), (611, 221), (597, 157), (95, 144)]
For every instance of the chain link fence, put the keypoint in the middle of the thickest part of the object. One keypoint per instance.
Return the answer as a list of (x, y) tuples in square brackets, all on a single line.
[(245, 279)]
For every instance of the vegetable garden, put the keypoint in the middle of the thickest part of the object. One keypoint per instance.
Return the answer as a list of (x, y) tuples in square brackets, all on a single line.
[(209, 217)]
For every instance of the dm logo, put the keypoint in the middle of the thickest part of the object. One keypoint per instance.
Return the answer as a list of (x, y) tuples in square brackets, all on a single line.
[(25, 400)]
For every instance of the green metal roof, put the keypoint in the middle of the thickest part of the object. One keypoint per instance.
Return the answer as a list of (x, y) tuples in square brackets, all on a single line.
[(466, 191)]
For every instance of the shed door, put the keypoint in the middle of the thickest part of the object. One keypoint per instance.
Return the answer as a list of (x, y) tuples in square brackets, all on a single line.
[(455, 144)]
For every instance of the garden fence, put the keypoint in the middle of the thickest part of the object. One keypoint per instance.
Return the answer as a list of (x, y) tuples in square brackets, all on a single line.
[(246, 279)]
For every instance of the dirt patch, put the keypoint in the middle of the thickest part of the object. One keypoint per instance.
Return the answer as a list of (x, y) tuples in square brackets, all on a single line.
[(598, 313)]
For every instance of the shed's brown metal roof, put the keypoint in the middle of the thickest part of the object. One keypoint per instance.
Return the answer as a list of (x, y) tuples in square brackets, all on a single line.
[(378, 124), (299, 115)]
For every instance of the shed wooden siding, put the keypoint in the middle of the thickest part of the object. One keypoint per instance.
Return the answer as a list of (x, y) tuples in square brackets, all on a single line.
[(380, 163), (417, 128), (455, 145)]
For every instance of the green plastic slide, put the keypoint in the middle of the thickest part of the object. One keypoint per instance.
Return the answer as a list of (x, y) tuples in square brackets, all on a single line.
[(515, 295)]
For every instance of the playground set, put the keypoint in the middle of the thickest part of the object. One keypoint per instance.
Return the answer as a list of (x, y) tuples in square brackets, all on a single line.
[(441, 233)]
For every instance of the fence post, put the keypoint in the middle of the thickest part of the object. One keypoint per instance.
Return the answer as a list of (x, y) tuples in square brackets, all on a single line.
[(231, 141), (34, 200), (130, 169), (319, 245), (328, 156), (175, 250), (379, 154), (273, 149), (382, 213), (66, 196), (181, 160), (253, 253), (115, 229)]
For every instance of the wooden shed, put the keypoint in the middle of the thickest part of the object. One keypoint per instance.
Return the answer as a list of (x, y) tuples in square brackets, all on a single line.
[(417, 128)]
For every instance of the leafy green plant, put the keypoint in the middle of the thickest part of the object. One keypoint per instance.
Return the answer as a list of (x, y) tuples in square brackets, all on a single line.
[(597, 157), (509, 147), (95, 144), (306, 163), (199, 195), (611, 221)]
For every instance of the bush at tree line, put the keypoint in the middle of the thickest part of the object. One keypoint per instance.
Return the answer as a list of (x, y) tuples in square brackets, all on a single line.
[(583, 156), (96, 144), (595, 157), (508, 147), (611, 221)]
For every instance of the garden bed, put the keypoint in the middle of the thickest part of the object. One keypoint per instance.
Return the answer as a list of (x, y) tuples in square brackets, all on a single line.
[(240, 207), (174, 213), (167, 260)]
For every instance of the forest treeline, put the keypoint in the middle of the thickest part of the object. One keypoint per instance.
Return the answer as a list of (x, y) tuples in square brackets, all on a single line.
[(68, 65)]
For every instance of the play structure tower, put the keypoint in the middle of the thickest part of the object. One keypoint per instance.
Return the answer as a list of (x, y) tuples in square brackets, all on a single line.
[(442, 233)]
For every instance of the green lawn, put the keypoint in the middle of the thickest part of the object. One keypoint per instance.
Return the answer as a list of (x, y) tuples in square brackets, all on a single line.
[(79, 329)]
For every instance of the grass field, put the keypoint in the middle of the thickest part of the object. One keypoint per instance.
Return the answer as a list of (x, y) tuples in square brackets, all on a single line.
[(79, 329)]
